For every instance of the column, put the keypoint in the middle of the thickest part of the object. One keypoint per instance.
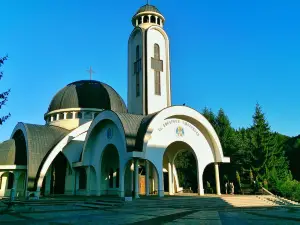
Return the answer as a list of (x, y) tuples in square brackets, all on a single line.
[(200, 182), (136, 178), (217, 179), (121, 181), (147, 178), (14, 189), (132, 178), (88, 180), (170, 176), (160, 175), (47, 182)]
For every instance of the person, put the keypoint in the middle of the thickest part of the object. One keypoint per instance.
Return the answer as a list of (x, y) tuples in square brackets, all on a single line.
[(226, 187)]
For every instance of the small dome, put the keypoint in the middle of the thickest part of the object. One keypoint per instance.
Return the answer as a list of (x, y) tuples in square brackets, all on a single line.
[(147, 8), (88, 94)]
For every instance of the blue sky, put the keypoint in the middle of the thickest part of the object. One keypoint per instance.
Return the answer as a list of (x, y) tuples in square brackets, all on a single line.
[(224, 54)]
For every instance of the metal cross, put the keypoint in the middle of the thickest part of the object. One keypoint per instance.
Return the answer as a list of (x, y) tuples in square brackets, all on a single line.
[(90, 71)]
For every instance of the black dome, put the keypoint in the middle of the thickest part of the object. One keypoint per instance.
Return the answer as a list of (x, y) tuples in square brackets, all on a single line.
[(88, 94), (147, 7)]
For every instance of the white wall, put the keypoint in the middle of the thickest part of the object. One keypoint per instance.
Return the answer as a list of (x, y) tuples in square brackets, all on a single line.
[(157, 102), (135, 104)]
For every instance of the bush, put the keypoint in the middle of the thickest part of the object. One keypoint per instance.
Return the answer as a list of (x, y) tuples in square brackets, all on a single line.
[(289, 189)]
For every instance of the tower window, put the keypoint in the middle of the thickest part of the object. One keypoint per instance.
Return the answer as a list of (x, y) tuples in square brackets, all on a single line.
[(158, 21), (157, 66), (61, 116), (139, 20), (146, 19), (152, 19), (137, 69)]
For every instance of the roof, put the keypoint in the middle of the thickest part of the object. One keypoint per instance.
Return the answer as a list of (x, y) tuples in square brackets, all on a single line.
[(7, 152), (88, 94), (147, 8), (41, 139), (135, 127)]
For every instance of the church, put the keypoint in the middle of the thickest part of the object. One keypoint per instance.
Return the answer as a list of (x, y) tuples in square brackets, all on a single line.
[(93, 144)]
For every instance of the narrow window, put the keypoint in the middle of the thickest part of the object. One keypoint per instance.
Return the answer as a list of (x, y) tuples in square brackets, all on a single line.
[(152, 19), (53, 117), (61, 116), (69, 115), (146, 19), (158, 21), (79, 115), (140, 20), (137, 68), (111, 178)]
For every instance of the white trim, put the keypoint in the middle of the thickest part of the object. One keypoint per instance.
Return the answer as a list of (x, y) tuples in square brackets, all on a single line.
[(12, 167)]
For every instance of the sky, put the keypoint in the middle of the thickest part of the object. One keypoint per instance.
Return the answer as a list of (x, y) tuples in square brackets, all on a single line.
[(224, 54)]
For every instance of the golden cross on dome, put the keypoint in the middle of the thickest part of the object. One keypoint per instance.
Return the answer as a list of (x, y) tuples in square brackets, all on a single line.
[(90, 71)]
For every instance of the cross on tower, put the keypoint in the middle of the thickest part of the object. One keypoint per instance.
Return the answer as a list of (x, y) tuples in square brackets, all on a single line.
[(157, 66), (90, 71)]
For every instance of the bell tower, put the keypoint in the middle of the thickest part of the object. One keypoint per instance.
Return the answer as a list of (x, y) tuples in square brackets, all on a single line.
[(148, 63)]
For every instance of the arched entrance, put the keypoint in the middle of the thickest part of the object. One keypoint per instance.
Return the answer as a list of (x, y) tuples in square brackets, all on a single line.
[(180, 168), (110, 164), (6, 183), (58, 174)]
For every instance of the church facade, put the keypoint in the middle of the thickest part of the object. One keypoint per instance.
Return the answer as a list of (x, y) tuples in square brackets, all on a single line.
[(93, 144)]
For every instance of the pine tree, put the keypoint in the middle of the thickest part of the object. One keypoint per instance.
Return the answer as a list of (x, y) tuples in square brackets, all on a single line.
[(210, 116), (265, 151), (3, 95)]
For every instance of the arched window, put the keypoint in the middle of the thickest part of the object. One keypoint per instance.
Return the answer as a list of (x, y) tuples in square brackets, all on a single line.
[(82, 178), (111, 178), (153, 19), (146, 19), (117, 177), (54, 117), (10, 181), (139, 20), (157, 65), (69, 115), (158, 21), (137, 69), (61, 116)]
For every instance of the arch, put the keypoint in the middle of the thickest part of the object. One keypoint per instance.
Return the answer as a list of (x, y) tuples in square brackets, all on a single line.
[(193, 117), (158, 21), (105, 116), (109, 162), (6, 183), (59, 148)]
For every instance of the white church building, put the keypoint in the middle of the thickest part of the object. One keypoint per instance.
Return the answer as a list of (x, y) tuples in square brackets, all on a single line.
[(93, 144)]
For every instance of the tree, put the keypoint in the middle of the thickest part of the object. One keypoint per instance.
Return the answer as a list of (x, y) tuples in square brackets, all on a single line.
[(3, 95), (265, 150)]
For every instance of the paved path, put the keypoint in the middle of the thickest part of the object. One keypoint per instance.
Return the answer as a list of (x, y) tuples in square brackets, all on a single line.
[(185, 210)]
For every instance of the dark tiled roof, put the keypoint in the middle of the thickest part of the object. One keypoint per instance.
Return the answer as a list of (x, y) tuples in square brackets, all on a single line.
[(7, 152), (146, 8), (41, 139), (88, 94), (135, 127)]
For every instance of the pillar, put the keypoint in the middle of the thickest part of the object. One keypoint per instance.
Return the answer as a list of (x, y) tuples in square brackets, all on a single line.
[(136, 178), (170, 176), (88, 181), (217, 179), (147, 178), (200, 182), (132, 177), (160, 175), (121, 181), (48, 182)]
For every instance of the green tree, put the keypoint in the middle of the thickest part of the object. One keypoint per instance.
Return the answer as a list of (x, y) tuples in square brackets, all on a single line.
[(210, 116), (265, 150), (3, 95)]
